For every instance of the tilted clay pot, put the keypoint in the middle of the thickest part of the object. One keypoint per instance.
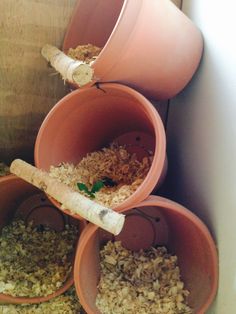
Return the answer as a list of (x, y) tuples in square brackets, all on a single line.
[(149, 45)]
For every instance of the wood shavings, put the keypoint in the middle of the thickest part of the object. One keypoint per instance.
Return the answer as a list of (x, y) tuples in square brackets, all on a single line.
[(66, 303), (34, 262), (86, 53), (140, 282), (115, 163)]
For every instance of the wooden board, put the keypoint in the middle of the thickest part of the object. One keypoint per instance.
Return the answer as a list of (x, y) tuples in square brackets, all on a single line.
[(27, 87)]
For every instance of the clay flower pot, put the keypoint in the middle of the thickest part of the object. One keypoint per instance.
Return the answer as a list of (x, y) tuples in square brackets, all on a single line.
[(86, 120), (149, 45), (22, 199), (155, 221)]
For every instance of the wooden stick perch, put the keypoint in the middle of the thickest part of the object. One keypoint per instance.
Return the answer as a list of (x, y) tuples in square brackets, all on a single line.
[(75, 202), (76, 72)]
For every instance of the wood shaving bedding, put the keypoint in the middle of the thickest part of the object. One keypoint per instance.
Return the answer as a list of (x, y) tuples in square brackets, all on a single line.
[(34, 261), (115, 163), (86, 53), (66, 303), (140, 282)]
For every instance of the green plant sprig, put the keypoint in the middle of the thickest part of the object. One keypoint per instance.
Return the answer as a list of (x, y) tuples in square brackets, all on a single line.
[(97, 186)]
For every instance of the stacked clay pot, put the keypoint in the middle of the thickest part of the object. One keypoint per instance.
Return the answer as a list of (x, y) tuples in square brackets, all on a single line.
[(154, 222), (148, 48), (92, 118), (20, 199)]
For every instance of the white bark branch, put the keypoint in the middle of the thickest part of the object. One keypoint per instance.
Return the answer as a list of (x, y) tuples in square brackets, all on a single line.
[(75, 202), (76, 72)]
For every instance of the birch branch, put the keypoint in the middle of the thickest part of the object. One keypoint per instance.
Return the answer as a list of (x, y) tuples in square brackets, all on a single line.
[(76, 72), (75, 202)]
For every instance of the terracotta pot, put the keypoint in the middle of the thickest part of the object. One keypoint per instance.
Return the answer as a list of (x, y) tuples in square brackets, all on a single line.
[(155, 221), (149, 45), (22, 199), (89, 119)]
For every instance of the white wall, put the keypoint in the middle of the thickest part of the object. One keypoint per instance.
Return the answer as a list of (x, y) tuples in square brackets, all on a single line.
[(202, 139)]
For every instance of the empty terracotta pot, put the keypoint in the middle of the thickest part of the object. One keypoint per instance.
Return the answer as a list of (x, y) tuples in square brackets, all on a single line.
[(27, 202), (154, 222), (87, 120), (149, 45)]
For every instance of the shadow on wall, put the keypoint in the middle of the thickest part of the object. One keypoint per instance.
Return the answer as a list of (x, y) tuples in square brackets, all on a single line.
[(193, 147), (179, 186)]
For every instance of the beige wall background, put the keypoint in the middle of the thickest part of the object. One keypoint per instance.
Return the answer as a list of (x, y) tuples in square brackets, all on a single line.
[(27, 87), (202, 139)]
